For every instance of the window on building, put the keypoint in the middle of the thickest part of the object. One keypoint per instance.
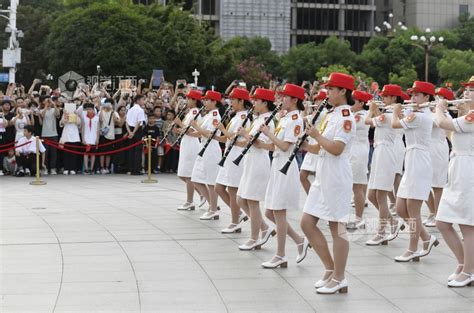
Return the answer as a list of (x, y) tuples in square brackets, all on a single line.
[(463, 9)]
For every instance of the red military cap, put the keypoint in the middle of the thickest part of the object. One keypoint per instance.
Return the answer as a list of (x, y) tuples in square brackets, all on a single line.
[(212, 95), (445, 93), (361, 95), (405, 96), (391, 90), (293, 91), (423, 87), (264, 94), (239, 93), (322, 95), (340, 80), (470, 83), (194, 94)]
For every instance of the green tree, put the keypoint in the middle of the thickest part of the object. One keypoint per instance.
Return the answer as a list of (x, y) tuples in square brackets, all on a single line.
[(404, 78), (465, 31), (456, 66)]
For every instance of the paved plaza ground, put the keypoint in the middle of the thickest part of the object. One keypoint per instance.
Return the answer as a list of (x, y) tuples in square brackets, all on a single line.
[(113, 244)]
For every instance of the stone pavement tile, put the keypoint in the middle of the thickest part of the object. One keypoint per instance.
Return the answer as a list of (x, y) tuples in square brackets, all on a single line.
[(433, 304), (27, 308), (178, 286), (29, 300), (98, 276), (427, 291), (71, 289), (97, 302), (184, 301), (31, 288), (27, 278), (341, 304)]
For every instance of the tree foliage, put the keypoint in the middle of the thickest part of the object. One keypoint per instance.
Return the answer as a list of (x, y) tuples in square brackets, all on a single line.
[(456, 66)]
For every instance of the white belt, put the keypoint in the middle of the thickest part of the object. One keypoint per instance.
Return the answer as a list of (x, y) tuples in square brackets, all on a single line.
[(461, 153), (418, 146), (383, 142)]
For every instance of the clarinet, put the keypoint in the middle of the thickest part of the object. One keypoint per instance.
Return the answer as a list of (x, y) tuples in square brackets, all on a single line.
[(285, 168), (185, 130), (214, 132), (171, 126), (234, 140), (257, 134)]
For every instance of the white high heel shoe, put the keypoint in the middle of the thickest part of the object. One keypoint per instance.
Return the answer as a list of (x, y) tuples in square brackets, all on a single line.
[(270, 232), (322, 282), (415, 256), (282, 262), (469, 281), (210, 215), (237, 228), (379, 239), (400, 226), (454, 275), (341, 286), (432, 242), (255, 245), (188, 206), (243, 217), (301, 256)]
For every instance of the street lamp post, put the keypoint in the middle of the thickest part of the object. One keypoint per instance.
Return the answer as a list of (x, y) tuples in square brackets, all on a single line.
[(426, 44), (12, 55), (389, 29)]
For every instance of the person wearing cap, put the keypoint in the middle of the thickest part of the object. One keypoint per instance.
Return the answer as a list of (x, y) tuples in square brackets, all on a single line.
[(415, 186), (360, 156), (282, 191), (333, 174), (310, 160), (189, 146), (384, 165), (205, 168), (456, 206), (228, 178), (256, 170), (439, 150)]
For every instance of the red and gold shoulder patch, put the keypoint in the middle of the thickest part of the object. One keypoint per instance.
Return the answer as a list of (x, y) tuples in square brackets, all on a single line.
[(294, 117), (194, 112), (357, 118), (470, 117), (215, 122), (411, 117), (347, 126), (214, 113), (346, 112), (297, 130), (382, 118), (243, 116)]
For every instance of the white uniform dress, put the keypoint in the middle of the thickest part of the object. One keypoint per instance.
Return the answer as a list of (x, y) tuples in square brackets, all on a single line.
[(283, 191), (439, 150), (384, 163), (205, 168), (360, 149), (457, 201), (416, 181), (256, 174), (229, 175), (310, 160), (330, 195), (399, 151), (188, 148)]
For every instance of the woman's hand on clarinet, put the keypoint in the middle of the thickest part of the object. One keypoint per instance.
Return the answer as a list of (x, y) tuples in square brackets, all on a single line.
[(265, 129), (311, 131)]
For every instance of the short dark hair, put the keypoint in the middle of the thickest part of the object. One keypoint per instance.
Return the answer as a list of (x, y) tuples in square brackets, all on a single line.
[(43, 97), (29, 128), (138, 97), (6, 102)]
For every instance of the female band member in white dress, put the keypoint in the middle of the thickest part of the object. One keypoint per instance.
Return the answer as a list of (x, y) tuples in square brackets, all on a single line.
[(283, 190), (189, 147), (254, 181), (310, 160), (333, 174), (360, 156), (384, 165), (205, 168), (440, 159), (416, 181), (228, 178), (456, 206)]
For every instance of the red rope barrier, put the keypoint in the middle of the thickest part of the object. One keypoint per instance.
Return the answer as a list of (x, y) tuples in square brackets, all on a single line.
[(7, 144), (57, 146), (14, 147), (84, 147)]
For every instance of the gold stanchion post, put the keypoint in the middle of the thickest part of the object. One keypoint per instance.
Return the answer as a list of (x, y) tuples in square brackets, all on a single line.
[(149, 179), (38, 181)]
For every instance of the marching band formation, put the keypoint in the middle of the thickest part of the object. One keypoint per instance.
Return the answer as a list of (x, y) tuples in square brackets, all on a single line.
[(245, 152)]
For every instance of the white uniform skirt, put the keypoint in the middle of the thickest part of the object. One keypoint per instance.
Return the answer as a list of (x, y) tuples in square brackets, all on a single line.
[(283, 191), (205, 168), (416, 181), (188, 150), (310, 162), (330, 195), (256, 173), (383, 168), (229, 175), (359, 162), (399, 149), (440, 160), (457, 202)]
